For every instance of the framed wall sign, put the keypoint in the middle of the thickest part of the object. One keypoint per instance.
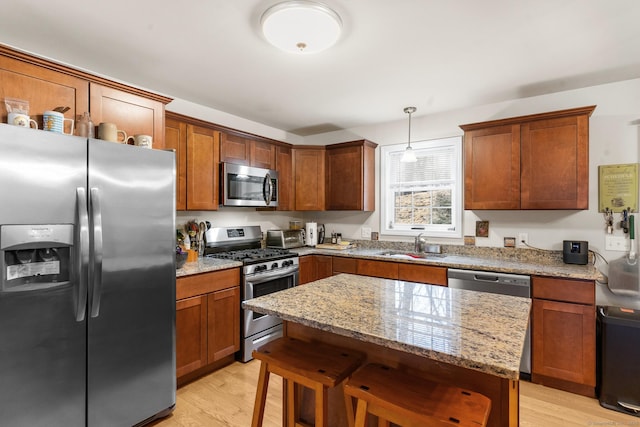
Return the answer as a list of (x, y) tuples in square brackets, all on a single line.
[(618, 187)]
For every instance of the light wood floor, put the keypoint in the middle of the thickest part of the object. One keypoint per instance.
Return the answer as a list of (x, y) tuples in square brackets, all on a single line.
[(225, 399)]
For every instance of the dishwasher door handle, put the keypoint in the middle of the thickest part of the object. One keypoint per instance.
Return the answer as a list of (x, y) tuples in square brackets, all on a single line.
[(485, 278)]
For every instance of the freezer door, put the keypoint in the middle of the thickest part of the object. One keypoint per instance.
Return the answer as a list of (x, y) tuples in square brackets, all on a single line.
[(42, 331), (131, 362)]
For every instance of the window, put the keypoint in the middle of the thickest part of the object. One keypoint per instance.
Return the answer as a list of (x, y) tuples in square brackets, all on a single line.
[(425, 196)]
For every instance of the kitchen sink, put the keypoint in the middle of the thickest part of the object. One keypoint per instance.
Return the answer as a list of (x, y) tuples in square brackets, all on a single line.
[(409, 255)]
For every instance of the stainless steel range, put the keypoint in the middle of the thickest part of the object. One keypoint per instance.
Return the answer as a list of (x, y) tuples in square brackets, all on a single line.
[(265, 270)]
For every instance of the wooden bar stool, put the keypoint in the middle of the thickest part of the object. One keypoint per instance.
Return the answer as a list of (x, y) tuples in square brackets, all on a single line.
[(314, 365), (409, 401)]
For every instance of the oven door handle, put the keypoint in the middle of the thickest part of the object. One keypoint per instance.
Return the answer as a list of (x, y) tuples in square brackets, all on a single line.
[(265, 277)]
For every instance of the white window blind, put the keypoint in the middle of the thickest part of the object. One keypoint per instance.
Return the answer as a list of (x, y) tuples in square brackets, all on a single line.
[(423, 196)]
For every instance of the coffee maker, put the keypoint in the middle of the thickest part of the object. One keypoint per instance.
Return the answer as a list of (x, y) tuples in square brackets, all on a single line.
[(320, 233)]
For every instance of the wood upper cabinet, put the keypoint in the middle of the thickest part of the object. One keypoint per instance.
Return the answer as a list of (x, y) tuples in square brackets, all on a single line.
[(242, 150), (539, 161), (203, 151), (284, 166), (134, 114), (175, 137), (22, 77), (47, 85), (350, 176), (207, 320), (564, 334), (309, 178)]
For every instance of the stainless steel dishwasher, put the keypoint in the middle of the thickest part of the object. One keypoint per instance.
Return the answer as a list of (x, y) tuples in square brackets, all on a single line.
[(497, 283)]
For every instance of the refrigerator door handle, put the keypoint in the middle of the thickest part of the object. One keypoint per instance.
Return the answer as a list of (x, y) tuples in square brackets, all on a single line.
[(96, 265), (82, 252)]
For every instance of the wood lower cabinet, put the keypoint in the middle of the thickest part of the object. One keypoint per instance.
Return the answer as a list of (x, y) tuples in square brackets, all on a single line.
[(314, 267), (384, 269), (309, 178), (433, 275), (539, 161), (207, 322), (564, 334), (344, 265), (350, 176)]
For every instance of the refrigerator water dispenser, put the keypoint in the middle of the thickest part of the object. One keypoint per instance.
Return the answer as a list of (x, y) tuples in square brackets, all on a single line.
[(35, 256)]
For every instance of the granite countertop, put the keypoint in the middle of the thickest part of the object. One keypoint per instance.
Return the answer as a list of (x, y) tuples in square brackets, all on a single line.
[(204, 265), (479, 331), (515, 261)]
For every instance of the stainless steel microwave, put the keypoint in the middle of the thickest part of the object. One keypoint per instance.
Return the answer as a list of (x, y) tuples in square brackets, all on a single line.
[(248, 186)]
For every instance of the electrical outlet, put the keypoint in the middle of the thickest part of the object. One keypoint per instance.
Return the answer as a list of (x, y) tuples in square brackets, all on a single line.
[(523, 240), (366, 232), (616, 243)]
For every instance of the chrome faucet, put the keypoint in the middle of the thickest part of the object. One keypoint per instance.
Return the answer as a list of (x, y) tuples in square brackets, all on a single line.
[(419, 243)]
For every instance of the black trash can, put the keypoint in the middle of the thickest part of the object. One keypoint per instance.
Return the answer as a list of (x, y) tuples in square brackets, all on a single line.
[(618, 383)]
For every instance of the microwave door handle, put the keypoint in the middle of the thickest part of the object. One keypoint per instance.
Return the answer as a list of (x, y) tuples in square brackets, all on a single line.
[(267, 189)]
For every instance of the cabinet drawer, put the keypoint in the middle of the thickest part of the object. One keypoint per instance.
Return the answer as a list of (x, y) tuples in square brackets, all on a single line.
[(200, 284), (567, 290), (344, 265), (386, 270), (423, 274)]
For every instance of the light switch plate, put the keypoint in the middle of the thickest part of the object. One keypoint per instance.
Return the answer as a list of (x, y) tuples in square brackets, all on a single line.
[(366, 232), (616, 243)]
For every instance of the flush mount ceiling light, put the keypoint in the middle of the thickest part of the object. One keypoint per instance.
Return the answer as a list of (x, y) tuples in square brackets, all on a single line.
[(301, 26), (409, 156)]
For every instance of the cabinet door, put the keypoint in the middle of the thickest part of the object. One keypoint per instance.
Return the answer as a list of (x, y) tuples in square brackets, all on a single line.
[(45, 89), (350, 176), (263, 154), (191, 334), (175, 137), (555, 163), (203, 151), (284, 166), (306, 271), (308, 165), (223, 323), (235, 149), (564, 345), (324, 266), (131, 113), (423, 274), (492, 168), (387, 270)]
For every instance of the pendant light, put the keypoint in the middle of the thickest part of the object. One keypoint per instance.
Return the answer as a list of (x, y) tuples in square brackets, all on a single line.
[(409, 156), (301, 26)]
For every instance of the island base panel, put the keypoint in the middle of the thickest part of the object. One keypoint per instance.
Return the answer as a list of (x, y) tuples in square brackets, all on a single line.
[(504, 393)]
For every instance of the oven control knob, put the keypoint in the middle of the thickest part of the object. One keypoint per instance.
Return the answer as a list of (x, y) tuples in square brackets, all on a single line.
[(286, 263), (260, 268), (274, 265)]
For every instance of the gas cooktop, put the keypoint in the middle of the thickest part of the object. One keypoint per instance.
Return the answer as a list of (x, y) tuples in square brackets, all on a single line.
[(250, 256)]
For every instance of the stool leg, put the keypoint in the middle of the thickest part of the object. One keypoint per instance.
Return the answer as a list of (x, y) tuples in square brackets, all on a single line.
[(348, 403), (361, 413), (261, 396), (321, 406), (292, 403)]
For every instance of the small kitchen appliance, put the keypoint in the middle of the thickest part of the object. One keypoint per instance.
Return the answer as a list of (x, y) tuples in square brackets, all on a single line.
[(285, 239), (311, 234), (575, 252), (264, 271)]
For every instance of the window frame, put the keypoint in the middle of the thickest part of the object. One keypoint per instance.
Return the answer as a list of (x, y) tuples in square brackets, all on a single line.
[(456, 198)]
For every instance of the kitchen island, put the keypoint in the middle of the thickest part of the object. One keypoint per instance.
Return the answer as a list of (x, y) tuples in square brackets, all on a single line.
[(473, 340)]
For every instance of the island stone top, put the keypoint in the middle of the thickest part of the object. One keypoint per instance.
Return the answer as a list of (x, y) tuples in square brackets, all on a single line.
[(474, 330)]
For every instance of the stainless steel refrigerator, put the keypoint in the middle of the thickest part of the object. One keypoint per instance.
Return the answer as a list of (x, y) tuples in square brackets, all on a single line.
[(87, 290)]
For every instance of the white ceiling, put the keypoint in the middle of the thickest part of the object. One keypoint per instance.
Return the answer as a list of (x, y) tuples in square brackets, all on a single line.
[(437, 55)]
